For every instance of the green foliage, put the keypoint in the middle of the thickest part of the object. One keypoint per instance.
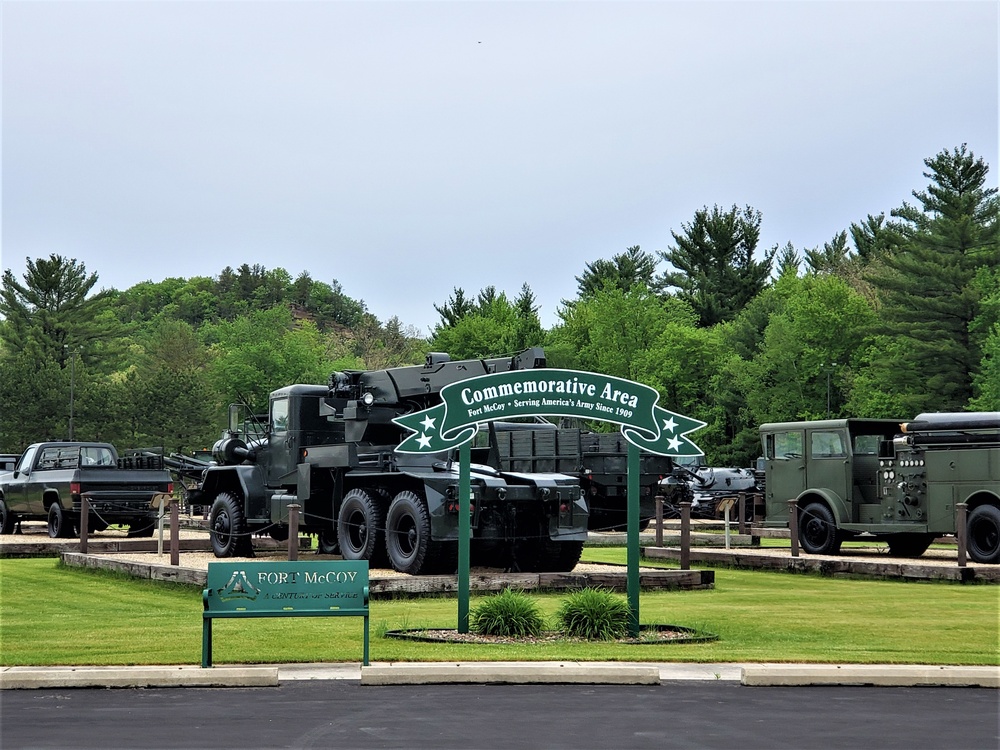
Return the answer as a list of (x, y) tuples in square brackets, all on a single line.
[(633, 268), (717, 273), (492, 326), (510, 613), (260, 352), (926, 286), (611, 331), (34, 401), (594, 614), (53, 313)]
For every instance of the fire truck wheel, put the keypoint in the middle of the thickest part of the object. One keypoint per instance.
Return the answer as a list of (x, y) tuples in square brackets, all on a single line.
[(228, 528), (361, 528), (59, 526), (909, 545), (818, 531), (983, 534)]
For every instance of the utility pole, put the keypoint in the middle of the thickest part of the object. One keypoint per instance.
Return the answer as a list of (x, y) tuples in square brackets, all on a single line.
[(72, 386)]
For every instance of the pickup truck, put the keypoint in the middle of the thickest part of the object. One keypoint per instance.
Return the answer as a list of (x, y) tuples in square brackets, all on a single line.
[(49, 480)]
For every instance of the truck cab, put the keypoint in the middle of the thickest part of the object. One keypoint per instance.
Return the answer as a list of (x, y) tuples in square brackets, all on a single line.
[(833, 459)]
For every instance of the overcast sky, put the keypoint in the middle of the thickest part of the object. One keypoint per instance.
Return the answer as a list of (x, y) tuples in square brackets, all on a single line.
[(407, 148)]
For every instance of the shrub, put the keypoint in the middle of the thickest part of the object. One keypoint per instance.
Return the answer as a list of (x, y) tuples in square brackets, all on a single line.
[(509, 613), (594, 614)]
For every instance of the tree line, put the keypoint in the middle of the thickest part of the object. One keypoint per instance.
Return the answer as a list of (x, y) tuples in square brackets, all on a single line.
[(894, 316)]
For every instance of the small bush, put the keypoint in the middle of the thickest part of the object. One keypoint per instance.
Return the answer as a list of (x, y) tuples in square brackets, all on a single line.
[(509, 613), (594, 614)]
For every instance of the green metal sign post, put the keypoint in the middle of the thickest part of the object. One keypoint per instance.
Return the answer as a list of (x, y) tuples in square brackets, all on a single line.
[(548, 392)]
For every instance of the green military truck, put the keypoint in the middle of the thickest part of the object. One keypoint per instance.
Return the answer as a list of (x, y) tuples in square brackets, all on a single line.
[(598, 460), (899, 482), (331, 449)]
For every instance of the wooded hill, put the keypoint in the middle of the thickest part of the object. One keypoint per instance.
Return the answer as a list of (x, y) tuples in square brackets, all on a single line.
[(892, 317)]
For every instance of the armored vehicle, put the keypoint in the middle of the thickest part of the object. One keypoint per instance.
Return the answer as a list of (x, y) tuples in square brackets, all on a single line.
[(895, 481), (331, 450)]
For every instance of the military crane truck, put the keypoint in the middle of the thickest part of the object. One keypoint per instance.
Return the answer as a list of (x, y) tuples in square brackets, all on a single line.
[(887, 480), (331, 450)]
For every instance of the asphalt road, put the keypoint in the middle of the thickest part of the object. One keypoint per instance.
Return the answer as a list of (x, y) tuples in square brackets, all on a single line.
[(343, 714)]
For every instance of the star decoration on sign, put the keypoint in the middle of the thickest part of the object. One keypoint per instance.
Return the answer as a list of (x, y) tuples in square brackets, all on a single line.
[(428, 423), (674, 443), (423, 440), (669, 424)]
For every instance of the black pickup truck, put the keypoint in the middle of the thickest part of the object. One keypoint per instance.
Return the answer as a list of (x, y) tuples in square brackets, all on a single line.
[(49, 480)]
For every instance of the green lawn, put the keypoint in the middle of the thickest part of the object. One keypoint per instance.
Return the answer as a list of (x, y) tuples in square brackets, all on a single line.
[(55, 615)]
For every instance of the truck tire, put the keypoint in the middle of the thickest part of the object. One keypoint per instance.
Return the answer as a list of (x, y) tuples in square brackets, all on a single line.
[(361, 528), (60, 526), (141, 529), (818, 531), (408, 538), (7, 519), (326, 540), (228, 528), (909, 545), (983, 534), (559, 557)]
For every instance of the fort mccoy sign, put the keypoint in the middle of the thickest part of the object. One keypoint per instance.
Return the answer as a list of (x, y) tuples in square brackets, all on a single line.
[(549, 393)]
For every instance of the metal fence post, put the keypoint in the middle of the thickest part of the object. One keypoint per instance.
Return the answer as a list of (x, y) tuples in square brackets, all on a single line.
[(293, 532), (743, 512), (961, 532), (84, 522), (685, 534), (793, 525), (659, 520), (175, 533)]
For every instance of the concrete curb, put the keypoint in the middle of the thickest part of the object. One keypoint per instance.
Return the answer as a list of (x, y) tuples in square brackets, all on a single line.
[(509, 673), (888, 675), (29, 678)]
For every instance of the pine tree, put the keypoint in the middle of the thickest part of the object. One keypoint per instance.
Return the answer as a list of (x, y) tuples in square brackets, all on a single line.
[(714, 257), (50, 316), (624, 271), (925, 285)]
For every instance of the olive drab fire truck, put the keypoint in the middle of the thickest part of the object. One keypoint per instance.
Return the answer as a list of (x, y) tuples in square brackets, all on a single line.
[(900, 482)]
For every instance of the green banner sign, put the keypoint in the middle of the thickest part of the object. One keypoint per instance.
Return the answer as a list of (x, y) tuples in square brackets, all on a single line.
[(554, 393)]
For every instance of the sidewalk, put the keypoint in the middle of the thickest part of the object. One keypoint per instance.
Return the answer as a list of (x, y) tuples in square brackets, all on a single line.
[(417, 673)]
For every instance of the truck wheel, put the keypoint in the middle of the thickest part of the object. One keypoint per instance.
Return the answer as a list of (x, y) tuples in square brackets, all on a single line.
[(229, 528), (818, 531), (559, 557), (59, 526), (909, 545), (7, 519), (983, 534), (360, 529), (408, 536), (141, 529), (326, 541)]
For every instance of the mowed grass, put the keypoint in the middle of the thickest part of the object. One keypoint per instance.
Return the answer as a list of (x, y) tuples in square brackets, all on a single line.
[(52, 615)]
